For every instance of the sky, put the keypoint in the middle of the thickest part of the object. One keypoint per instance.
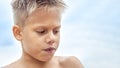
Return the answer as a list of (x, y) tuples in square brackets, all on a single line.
[(90, 31)]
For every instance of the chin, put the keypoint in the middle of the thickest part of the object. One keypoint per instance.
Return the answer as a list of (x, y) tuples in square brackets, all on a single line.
[(45, 59)]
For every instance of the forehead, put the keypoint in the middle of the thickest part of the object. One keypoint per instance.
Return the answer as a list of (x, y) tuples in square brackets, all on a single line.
[(44, 17)]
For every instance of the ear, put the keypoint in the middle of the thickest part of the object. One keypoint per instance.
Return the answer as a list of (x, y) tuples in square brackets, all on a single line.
[(17, 32)]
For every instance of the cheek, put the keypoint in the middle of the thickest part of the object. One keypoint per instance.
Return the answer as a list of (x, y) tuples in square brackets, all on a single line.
[(58, 40), (59, 37), (31, 44), (33, 49)]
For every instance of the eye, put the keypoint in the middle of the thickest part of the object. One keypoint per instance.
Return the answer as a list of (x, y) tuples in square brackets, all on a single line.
[(56, 31), (41, 32)]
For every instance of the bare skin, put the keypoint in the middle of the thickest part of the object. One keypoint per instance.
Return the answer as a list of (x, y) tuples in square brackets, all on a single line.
[(56, 62), (40, 39)]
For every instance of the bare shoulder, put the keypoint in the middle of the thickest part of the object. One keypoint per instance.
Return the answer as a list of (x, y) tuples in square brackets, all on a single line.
[(70, 62), (9, 66), (12, 65)]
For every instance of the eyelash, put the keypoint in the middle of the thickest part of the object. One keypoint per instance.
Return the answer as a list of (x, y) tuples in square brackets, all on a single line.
[(44, 31), (56, 31), (41, 32)]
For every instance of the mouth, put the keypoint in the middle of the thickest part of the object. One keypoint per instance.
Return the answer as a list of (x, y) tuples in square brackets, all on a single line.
[(50, 50)]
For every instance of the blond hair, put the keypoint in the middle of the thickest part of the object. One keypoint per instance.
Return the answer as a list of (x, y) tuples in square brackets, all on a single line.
[(23, 8)]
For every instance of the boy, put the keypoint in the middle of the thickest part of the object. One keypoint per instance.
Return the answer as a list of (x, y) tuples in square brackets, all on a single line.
[(37, 27)]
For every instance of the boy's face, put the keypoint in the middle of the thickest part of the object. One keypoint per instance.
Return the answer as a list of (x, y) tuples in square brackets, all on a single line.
[(40, 35)]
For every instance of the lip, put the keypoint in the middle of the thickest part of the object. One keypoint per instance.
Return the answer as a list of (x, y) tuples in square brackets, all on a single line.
[(50, 50)]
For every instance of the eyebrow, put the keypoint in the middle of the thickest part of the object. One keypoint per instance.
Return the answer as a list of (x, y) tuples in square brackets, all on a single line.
[(58, 26), (43, 26)]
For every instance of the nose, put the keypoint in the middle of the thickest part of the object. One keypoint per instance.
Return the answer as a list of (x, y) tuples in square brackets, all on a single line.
[(50, 39)]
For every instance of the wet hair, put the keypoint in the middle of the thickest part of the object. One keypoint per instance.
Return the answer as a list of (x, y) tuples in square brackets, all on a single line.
[(23, 8)]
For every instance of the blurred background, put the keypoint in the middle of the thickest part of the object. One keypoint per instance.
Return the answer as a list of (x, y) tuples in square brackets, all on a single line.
[(90, 31)]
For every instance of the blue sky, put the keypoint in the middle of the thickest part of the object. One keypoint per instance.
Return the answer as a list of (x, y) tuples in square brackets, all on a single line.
[(90, 31)]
